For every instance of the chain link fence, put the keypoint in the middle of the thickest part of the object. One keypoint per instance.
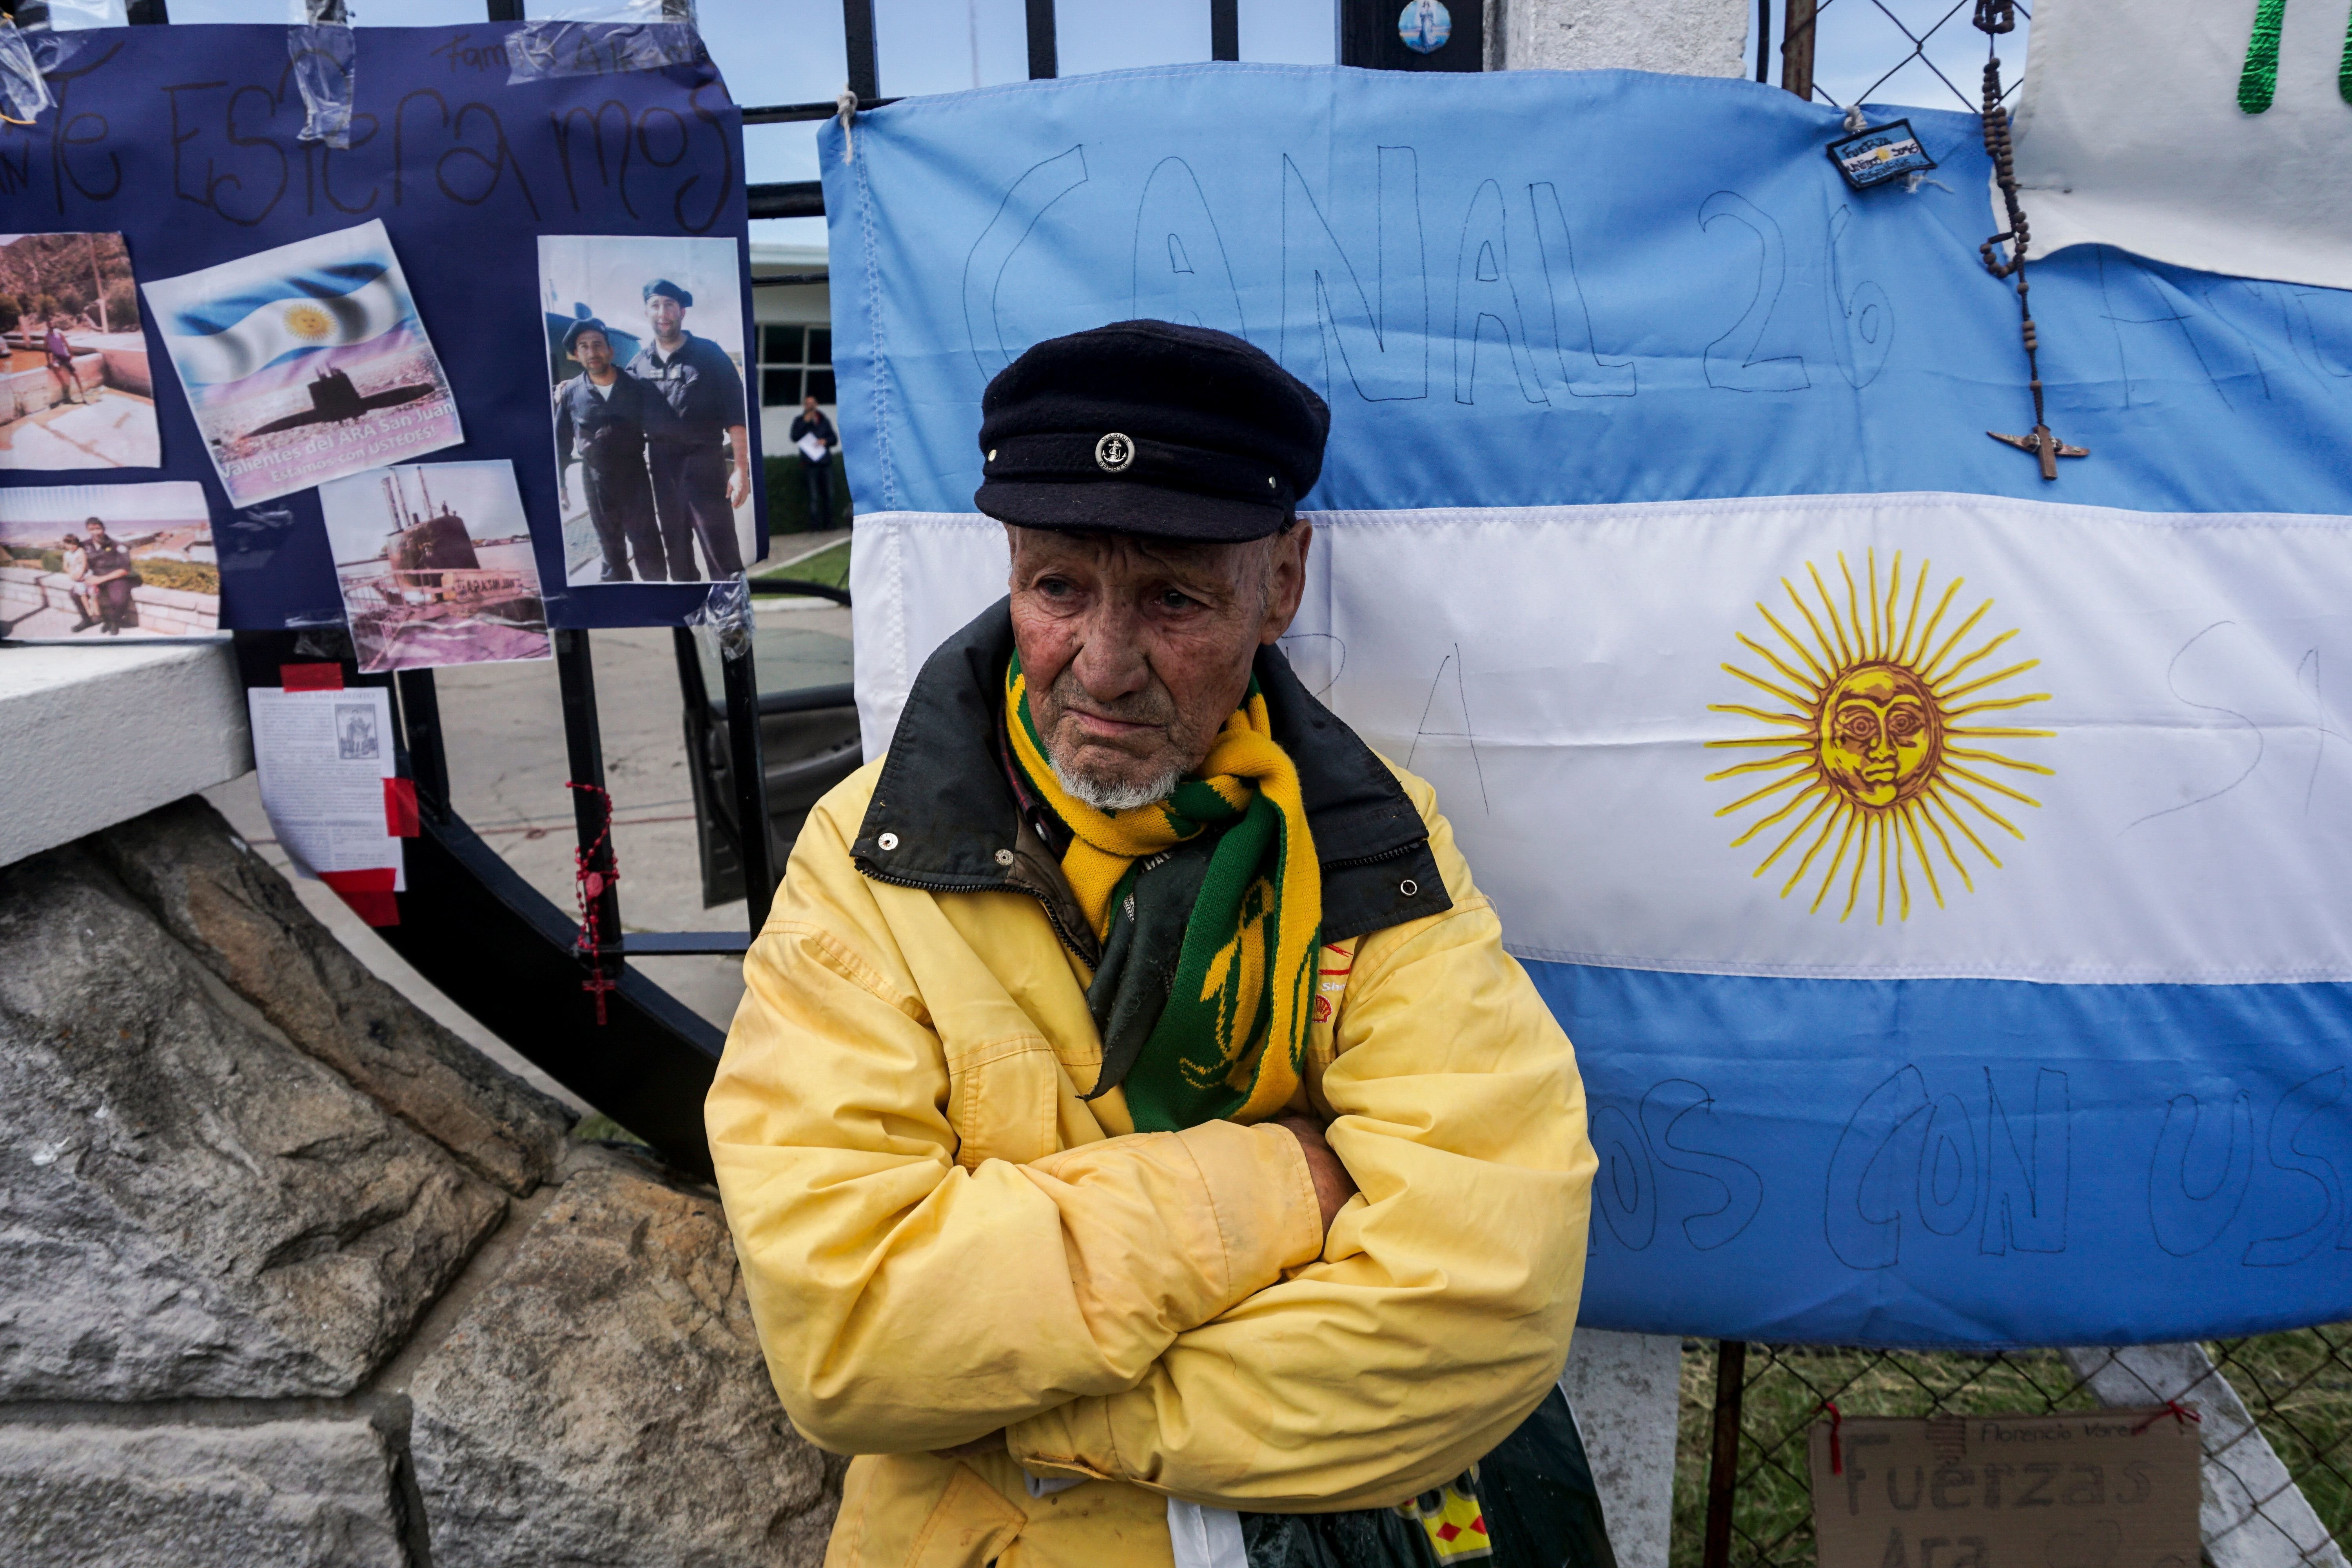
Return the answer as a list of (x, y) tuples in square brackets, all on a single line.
[(1925, 53), (2276, 1430)]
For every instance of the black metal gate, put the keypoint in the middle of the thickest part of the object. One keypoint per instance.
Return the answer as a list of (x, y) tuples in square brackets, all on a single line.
[(499, 948)]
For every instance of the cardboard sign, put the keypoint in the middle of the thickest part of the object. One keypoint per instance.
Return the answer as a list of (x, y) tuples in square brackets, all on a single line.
[(2112, 1489)]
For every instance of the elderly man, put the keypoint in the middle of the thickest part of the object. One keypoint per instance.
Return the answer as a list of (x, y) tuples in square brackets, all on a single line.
[(1137, 1140)]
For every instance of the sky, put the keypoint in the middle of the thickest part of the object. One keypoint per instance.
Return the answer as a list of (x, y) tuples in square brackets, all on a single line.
[(1859, 42), (608, 273), (790, 51), (29, 516)]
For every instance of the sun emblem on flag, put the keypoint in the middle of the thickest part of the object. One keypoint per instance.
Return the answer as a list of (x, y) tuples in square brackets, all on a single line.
[(308, 322), (1884, 754)]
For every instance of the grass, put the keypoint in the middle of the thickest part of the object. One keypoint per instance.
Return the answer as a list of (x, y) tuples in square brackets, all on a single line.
[(788, 508), (187, 576), (598, 1128), (2298, 1384), (829, 566)]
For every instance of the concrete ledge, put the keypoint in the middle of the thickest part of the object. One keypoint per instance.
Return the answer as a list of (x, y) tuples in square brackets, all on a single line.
[(1626, 1391), (93, 736)]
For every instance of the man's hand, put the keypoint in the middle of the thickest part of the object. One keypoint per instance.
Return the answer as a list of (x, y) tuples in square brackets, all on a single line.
[(739, 486), (1333, 1185)]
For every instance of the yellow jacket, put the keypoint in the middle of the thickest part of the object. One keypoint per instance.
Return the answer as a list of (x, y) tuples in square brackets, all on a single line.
[(940, 1238)]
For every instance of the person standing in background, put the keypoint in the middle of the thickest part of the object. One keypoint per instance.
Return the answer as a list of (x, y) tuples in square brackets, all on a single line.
[(61, 364), (813, 434)]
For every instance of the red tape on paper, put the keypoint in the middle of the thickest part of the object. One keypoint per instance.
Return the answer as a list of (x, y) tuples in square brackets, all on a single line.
[(311, 676), (367, 892), (400, 808)]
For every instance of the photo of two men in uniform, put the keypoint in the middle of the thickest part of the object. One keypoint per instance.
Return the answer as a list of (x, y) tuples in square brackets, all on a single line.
[(659, 441)]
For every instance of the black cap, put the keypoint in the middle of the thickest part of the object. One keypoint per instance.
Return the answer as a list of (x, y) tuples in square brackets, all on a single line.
[(585, 324), (1148, 427), (664, 286)]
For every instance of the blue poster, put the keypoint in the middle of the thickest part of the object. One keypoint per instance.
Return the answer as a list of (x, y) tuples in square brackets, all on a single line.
[(395, 280)]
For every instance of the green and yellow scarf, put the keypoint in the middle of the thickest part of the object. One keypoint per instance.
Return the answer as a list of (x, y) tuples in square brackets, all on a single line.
[(1209, 905)]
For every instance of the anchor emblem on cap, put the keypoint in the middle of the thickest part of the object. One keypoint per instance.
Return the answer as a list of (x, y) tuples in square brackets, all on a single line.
[(1113, 453)]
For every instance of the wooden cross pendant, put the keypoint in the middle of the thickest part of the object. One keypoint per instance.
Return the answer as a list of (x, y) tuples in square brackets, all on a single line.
[(2042, 445)]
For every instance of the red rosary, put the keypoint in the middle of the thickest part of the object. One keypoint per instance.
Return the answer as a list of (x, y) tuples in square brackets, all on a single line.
[(589, 886)]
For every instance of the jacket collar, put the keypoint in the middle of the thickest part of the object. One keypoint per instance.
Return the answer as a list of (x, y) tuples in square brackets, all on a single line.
[(951, 824)]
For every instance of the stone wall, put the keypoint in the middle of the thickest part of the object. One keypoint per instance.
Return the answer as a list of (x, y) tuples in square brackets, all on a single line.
[(289, 1274), (163, 612), (27, 392)]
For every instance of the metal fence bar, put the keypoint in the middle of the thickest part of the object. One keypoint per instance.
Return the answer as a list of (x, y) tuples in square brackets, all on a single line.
[(420, 715), (1797, 48), (1723, 1466), (792, 113), (1045, 48), (592, 815), (787, 198), (857, 44), (1224, 29), (737, 673)]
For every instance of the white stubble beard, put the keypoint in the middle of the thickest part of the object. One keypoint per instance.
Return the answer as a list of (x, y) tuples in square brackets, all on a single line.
[(1104, 795)]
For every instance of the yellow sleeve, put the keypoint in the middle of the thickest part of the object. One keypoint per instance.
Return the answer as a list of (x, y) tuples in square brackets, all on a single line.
[(904, 1302), (1440, 1312)]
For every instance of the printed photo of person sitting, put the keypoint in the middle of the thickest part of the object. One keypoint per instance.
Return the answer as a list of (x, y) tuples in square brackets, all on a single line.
[(110, 579), (76, 566)]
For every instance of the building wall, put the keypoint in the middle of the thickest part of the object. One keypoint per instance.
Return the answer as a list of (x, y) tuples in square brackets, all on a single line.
[(794, 307), (1687, 38)]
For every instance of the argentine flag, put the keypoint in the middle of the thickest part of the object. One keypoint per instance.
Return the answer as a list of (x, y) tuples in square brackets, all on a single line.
[(1944, 873)]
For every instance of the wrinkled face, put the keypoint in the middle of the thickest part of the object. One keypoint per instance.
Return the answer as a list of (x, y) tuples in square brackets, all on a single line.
[(1136, 650), (665, 316), (1880, 734), (594, 353)]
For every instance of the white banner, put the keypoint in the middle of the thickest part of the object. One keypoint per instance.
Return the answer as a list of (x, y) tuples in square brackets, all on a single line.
[(1974, 737), (2207, 136)]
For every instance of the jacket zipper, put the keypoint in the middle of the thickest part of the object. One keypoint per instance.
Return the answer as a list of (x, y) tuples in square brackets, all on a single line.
[(1399, 853), (1051, 918)]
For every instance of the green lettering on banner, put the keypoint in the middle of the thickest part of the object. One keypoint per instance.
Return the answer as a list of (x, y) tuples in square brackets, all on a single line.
[(2258, 82)]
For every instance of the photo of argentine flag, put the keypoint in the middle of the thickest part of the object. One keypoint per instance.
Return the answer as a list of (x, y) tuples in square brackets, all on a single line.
[(306, 362), (312, 313)]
